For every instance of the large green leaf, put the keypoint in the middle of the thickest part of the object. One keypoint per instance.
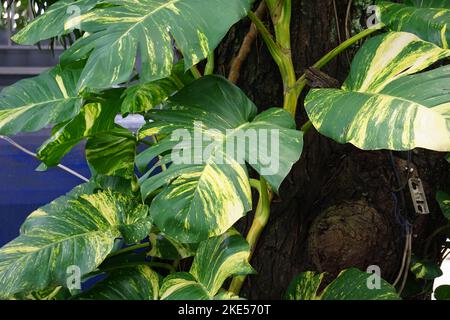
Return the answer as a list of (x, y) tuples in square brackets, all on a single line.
[(183, 286), (430, 20), (443, 199), (204, 194), (428, 3), (77, 229), (54, 22), (112, 153), (351, 284), (304, 286), (131, 283), (381, 105), (145, 96), (442, 292), (117, 32), (93, 118), (31, 104), (51, 293), (217, 259), (165, 247)]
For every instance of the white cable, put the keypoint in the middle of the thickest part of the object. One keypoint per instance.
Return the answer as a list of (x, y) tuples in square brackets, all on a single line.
[(18, 146)]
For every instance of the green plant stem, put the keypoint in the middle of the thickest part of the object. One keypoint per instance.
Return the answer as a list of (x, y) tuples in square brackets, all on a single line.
[(256, 184), (130, 248), (280, 48), (129, 136), (209, 68), (301, 82), (273, 48), (308, 125), (260, 220), (195, 72)]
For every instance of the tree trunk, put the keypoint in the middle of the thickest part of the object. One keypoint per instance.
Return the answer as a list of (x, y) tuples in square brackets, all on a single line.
[(361, 226)]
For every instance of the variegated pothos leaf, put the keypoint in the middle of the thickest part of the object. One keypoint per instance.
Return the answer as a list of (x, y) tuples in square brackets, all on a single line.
[(31, 104), (304, 286), (205, 193), (352, 284), (381, 104), (142, 97), (56, 21), (430, 20), (112, 153), (130, 283), (92, 119), (78, 229), (165, 247), (217, 259), (117, 32)]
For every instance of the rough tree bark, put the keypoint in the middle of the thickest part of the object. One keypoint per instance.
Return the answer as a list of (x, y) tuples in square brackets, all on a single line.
[(360, 228)]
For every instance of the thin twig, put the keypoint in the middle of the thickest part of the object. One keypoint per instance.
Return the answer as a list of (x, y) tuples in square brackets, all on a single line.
[(347, 30), (244, 51), (347, 19), (336, 16), (30, 153)]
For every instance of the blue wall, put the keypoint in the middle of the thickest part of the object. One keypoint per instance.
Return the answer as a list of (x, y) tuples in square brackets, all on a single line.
[(22, 189)]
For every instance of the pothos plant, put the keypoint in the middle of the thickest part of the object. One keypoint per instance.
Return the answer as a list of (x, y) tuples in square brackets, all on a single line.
[(135, 226)]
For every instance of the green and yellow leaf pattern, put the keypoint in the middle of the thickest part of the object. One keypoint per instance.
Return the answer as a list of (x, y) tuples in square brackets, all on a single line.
[(112, 153), (93, 118), (117, 32), (142, 97), (205, 197), (428, 19), (31, 104), (382, 105), (217, 259), (56, 21), (131, 283), (78, 229), (304, 286), (165, 247), (352, 284)]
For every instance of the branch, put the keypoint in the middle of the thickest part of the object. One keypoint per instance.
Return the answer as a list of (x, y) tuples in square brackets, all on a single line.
[(244, 51)]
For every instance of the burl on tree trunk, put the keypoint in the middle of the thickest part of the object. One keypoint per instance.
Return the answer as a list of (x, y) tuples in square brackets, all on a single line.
[(339, 207)]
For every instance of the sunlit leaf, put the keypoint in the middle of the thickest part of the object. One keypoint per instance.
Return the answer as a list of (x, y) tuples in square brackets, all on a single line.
[(381, 104)]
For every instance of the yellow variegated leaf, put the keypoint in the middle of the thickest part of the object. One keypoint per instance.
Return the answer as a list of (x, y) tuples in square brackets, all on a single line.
[(55, 21), (31, 104), (217, 259), (382, 105), (350, 284), (74, 231), (428, 19), (93, 118), (142, 97), (131, 283), (117, 32), (205, 193)]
